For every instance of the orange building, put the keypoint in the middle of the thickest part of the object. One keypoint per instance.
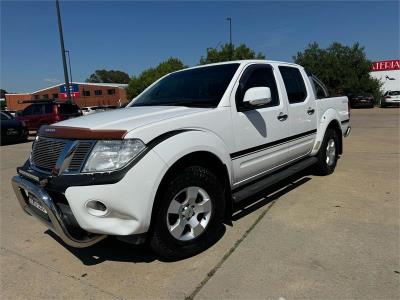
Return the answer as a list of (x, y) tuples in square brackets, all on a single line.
[(84, 94)]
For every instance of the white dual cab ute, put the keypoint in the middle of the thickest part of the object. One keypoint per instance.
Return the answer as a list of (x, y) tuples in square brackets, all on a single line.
[(169, 168)]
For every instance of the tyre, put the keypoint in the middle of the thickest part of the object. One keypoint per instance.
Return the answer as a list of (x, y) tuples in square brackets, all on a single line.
[(189, 213), (328, 153)]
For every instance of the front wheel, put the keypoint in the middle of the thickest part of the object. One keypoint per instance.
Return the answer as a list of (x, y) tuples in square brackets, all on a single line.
[(189, 212), (328, 153)]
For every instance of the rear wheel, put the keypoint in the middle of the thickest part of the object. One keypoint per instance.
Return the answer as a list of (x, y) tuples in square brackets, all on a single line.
[(190, 211), (328, 153)]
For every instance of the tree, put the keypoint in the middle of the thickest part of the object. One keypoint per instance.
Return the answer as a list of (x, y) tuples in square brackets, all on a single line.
[(229, 52), (3, 93), (344, 69), (108, 76), (138, 84)]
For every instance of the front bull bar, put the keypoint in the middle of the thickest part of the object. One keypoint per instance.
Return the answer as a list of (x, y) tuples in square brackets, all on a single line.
[(23, 188)]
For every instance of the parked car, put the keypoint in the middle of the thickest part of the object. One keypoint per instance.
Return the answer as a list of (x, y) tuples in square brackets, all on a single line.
[(169, 168), (391, 98), (88, 110), (47, 112), (12, 130), (361, 100)]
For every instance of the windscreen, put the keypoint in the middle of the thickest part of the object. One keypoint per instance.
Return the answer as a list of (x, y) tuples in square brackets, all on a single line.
[(4, 117), (199, 87)]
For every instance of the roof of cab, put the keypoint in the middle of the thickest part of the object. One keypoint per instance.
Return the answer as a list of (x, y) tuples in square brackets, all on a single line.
[(243, 61)]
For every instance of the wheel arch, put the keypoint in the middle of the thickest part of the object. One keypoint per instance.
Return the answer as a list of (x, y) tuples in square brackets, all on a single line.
[(335, 126), (330, 120), (205, 159)]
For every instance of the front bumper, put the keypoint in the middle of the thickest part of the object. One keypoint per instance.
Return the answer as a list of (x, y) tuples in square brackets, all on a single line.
[(129, 201), (56, 219)]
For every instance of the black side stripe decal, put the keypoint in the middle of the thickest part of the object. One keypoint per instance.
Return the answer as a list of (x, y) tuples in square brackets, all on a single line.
[(345, 121), (270, 145)]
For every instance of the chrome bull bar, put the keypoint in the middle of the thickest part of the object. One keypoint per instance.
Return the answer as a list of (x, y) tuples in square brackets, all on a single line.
[(23, 188)]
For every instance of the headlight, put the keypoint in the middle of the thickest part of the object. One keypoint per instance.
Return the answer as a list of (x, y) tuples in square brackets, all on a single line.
[(113, 155)]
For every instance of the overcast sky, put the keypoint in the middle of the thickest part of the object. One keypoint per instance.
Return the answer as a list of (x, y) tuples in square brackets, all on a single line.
[(132, 36)]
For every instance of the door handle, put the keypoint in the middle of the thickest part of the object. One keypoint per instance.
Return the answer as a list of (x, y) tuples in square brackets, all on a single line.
[(282, 116), (311, 111)]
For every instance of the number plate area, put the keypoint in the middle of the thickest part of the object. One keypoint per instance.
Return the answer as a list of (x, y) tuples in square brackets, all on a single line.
[(37, 207)]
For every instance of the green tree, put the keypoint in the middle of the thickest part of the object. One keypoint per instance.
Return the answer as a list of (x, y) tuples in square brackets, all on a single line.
[(3, 93), (229, 52), (138, 84), (108, 76), (344, 69)]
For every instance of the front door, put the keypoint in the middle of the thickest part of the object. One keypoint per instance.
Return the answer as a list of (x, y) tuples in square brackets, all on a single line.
[(259, 131)]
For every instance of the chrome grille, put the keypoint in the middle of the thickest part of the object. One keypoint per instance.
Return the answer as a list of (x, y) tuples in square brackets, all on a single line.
[(45, 152), (79, 156)]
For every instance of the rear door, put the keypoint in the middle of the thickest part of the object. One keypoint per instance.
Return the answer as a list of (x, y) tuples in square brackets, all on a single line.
[(301, 111), (259, 132)]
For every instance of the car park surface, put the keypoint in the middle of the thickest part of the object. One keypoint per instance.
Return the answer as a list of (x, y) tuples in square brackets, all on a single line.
[(311, 237)]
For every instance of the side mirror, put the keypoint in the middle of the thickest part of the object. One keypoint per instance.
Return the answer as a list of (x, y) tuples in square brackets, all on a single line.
[(257, 96)]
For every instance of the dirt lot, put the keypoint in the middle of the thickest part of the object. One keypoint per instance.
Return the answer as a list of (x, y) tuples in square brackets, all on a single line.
[(311, 237)]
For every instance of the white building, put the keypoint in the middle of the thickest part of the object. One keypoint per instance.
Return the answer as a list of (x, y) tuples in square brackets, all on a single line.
[(388, 72)]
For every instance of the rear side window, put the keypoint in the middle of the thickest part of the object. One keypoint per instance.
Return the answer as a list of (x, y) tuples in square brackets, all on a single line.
[(257, 76), (319, 88), (294, 84), (66, 109)]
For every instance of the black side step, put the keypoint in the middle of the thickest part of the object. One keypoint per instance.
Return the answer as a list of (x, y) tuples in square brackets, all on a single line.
[(258, 186)]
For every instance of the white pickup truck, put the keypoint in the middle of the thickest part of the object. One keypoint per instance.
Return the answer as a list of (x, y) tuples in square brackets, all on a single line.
[(168, 168)]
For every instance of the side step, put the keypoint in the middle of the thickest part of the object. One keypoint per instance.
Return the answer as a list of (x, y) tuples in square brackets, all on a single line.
[(259, 185)]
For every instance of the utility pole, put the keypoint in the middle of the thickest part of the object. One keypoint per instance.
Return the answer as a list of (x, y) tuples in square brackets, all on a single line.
[(230, 36), (70, 71), (63, 53)]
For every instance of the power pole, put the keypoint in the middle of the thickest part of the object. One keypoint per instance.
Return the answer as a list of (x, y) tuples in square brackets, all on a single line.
[(230, 36), (70, 72), (63, 53)]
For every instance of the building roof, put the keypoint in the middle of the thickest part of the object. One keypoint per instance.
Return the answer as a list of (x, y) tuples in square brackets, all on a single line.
[(117, 85)]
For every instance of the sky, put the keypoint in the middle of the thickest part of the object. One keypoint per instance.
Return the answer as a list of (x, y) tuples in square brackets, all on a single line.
[(132, 36)]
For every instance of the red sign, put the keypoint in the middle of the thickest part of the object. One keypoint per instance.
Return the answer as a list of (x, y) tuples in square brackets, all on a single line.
[(73, 95), (386, 65)]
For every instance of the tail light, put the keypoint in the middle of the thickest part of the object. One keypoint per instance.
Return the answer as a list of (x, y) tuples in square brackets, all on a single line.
[(387, 97)]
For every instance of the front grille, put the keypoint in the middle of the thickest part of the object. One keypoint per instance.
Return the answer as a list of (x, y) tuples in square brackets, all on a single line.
[(46, 151), (79, 156)]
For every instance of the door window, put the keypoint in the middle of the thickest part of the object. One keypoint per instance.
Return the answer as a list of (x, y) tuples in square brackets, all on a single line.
[(37, 109), (48, 108), (294, 84), (257, 76)]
